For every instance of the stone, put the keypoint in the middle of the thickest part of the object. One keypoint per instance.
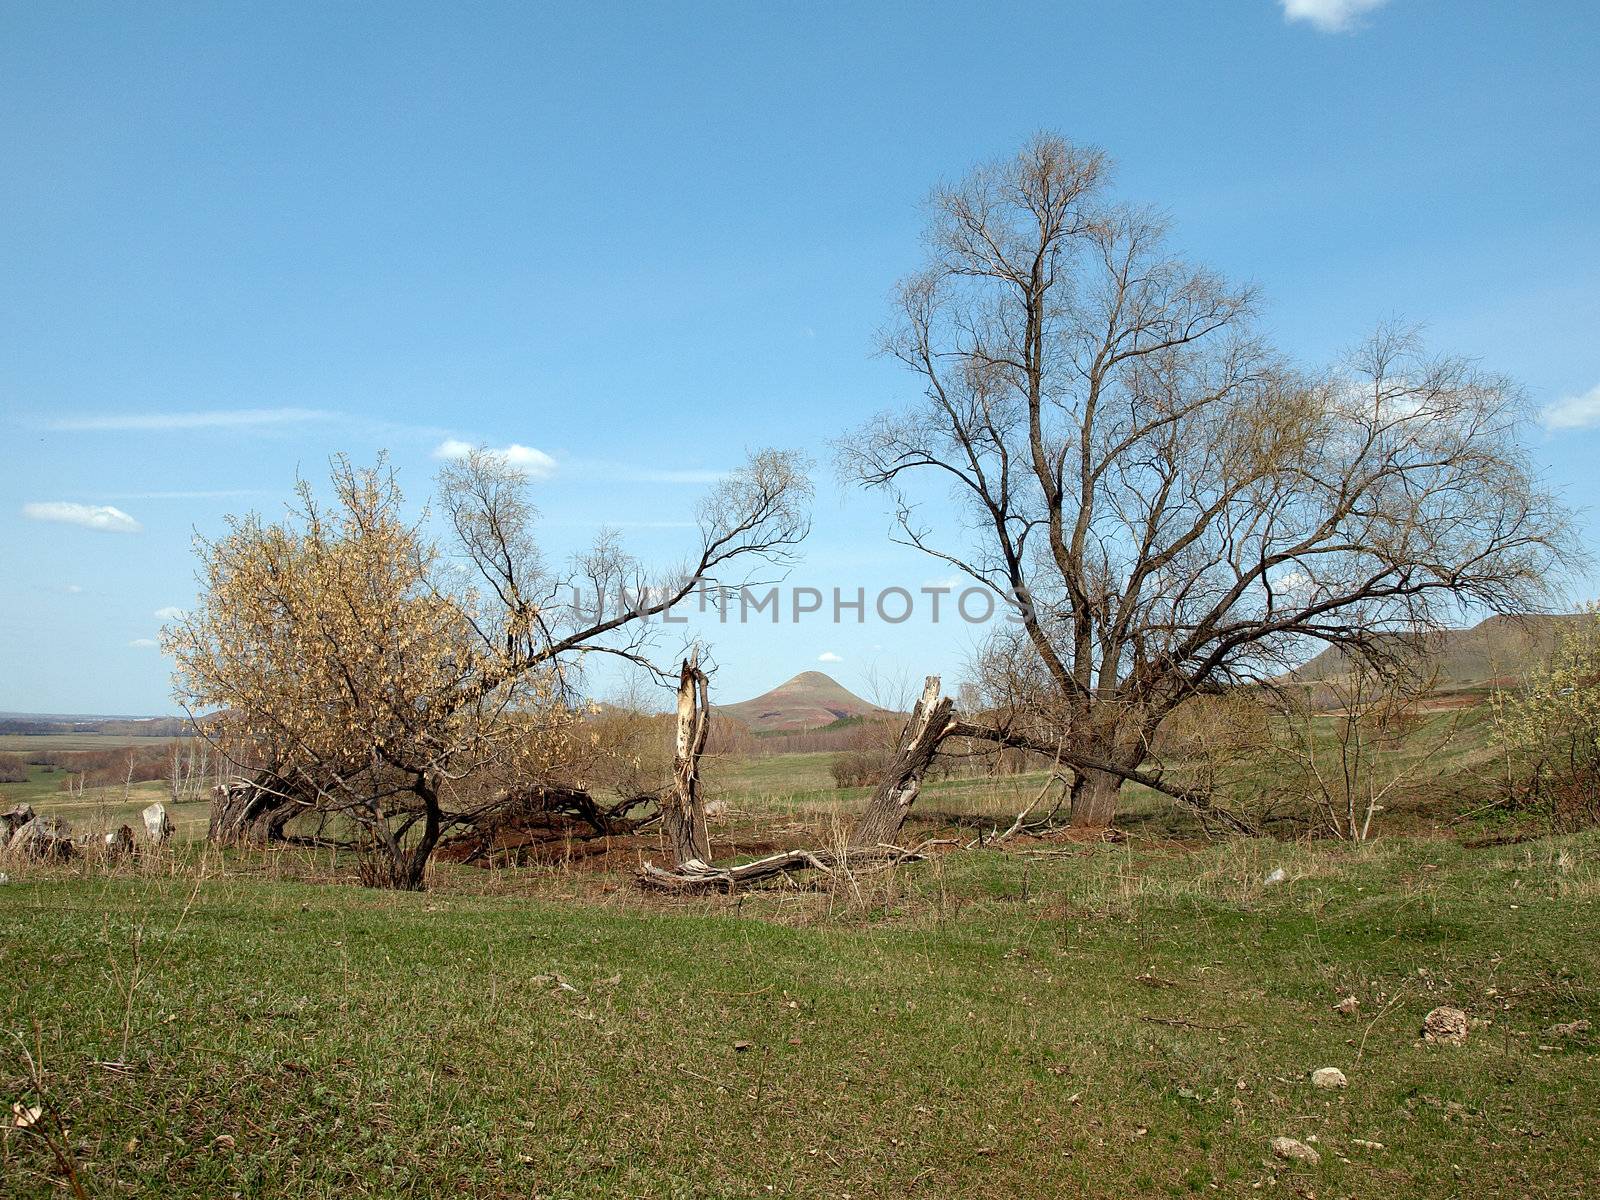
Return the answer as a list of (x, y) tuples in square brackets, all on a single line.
[(118, 843), (1568, 1029), (43, 838), (13, 819), (157, 824), (1293, 1150), (1328, 1078), (1446, 1025)]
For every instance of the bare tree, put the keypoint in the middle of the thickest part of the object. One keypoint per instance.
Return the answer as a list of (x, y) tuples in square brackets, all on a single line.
[(1164, 506)]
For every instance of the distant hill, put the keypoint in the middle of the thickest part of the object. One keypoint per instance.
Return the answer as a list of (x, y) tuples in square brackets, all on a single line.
[(808, 701), (1497, 650)]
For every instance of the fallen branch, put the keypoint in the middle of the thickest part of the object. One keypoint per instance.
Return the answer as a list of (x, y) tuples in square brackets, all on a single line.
[(1197, 800), (1022, 823), (696, 876), (529, 821)]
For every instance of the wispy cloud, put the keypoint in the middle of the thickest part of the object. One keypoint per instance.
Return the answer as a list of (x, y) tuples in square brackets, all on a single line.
[(1330, 16), (170, 613), (536, 463), (91, 516), (828, 656), (1574, 412), (144, 643), (236, 418), (72, 589)]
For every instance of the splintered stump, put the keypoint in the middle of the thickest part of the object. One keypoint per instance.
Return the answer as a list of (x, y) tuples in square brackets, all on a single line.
[(919, 741), (871, 841), (683, 818)]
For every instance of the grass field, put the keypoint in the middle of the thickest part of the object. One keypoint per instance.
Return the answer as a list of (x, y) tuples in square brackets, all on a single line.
[(76, 741), (1092, 1020)]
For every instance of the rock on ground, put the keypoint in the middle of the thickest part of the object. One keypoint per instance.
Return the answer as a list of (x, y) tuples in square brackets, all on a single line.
[(1328, 1078), (1568, 1029), (1293, 1150), (13, 819), (43, 837), (156, 823), (1445, 1024), (118, 843)]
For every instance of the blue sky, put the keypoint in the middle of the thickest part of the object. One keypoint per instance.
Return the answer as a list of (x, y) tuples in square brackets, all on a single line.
[(640, 239)]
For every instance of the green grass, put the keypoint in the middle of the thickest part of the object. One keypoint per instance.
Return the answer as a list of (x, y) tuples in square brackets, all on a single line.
[(801, 785), (1097, 1021)]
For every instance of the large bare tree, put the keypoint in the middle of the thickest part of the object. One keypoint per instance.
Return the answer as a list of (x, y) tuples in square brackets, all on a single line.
[(1166, 506)]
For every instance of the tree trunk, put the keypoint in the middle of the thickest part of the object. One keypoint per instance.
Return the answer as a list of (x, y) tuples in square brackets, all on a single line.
[(919, 742), (683, 818), (252, 812), (1094, 799), (414, 875)]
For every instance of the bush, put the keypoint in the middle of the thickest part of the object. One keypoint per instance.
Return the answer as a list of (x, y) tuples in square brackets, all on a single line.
[(858, 768), (13, 768), (1550, 730)]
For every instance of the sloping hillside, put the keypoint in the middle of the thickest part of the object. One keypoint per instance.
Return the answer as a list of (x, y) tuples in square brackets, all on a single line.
[(808, 701), (1499, 649)]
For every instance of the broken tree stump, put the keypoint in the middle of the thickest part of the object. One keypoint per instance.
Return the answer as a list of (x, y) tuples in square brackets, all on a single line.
[(891, 803), (683, 818)]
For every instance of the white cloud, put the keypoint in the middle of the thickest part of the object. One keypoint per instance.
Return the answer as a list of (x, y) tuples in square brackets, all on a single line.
[(218, 419), (1574, 412), (1330, 16), (144, 643), (536, 463), (90, 516), (170, 613), (828, 656), (72, 589), (1292, 582)]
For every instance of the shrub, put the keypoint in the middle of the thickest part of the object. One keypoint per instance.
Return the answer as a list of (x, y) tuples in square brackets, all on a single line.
[(13, 768)]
